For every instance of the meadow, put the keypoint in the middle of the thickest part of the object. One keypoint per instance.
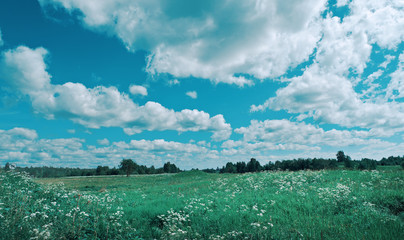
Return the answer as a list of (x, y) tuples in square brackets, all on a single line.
[(327, 204)]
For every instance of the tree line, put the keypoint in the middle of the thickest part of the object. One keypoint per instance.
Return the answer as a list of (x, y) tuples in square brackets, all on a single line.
[(126, 167), (342, 161)]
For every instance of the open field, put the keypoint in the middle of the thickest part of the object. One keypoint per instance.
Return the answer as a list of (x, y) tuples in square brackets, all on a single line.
[(194, 205)]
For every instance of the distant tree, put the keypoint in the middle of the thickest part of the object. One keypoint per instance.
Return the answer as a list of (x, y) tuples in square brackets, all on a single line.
[(170, 168), (367, 163), (166, 167), (340, 156), (241, 167), (348, 163), (113, 171), (151, 170), (278, 165), (7, 167), (128, 166), (333, 164), (253, 166), (102, 170), (269, 166), (230, 168), (392, 161)]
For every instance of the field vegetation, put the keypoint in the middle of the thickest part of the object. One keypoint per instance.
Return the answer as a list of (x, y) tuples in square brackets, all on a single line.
[(326, 204)]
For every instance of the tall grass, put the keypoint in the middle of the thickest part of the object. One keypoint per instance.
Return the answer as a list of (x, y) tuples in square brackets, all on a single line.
[(32, 211), (194, 205)]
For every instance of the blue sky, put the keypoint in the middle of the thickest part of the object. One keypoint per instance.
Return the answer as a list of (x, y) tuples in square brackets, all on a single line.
[(88, 83)]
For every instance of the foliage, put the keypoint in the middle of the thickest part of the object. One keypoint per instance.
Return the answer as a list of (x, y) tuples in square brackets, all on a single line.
[(170, 168), (32, 211), (52, 172), (392, 161), (291, 165), (128, 166), (55, 172), (7, 166), (368, 164), (341, 156), (332, 204)]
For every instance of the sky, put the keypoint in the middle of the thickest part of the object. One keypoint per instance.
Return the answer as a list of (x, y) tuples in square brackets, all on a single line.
[(199, 83)]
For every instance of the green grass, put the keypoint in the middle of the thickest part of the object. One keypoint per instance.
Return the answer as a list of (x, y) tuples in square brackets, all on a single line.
[(194, 205)]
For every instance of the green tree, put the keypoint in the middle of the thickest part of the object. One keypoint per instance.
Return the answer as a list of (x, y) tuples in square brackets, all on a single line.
[(348, 163), (102, 170), (128, 166), (170, 168), (7, 167), (167, 167), (340, 156), (241, 167), (230, 168), (367, 163), (253, 166)]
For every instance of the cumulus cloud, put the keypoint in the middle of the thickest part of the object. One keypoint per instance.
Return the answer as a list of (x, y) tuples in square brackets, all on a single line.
[(395, 89), (161, 145), (330, 98), (264, 138), (173, 82), (138, 90), (25, 70), (23, 147), (18, 133), (104, 142), (210, 39), (192, 94), (326, 91), (286, 132)]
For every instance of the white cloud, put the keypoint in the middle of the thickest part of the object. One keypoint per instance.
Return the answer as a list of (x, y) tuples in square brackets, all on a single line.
[(395, 89), (23, 147), (161, 145), (288, 132), (326, 91), (388, 60), (19, 133), (210, 39), (136, 89), (104, 142), (71, 131), (342, 48), (192, 94), (330, 98), (381, 20), (341, 3), (173, 82), (25, 70), (262, 139)]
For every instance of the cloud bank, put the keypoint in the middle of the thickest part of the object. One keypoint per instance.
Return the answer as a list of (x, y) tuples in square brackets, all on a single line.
[(24, 69), (210, 39), (335, 88)]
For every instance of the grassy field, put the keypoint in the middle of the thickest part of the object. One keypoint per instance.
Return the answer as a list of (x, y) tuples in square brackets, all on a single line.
[(194, 205)]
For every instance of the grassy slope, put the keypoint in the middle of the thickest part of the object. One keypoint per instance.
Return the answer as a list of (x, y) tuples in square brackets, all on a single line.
[(280, 205)]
